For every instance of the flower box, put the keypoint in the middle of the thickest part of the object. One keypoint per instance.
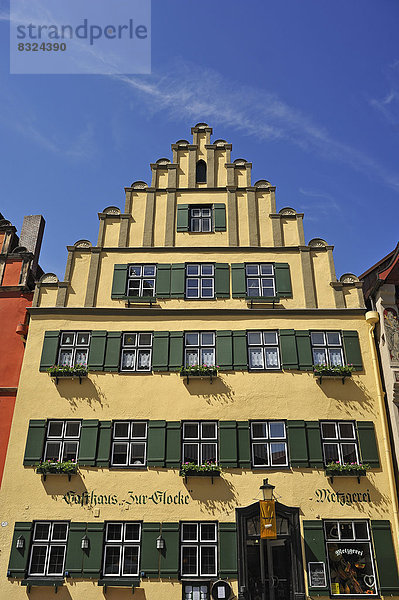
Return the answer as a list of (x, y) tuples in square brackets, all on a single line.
[(332, 372), (47, 467), (208, 469), (56, 372), (346, 470), (200, 371), (194, 473)]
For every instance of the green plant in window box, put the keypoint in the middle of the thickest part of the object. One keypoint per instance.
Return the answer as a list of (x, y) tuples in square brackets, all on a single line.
[(200, 370), (67, 467), (327, 370), (336, 469), (206, 468), (66, 371)]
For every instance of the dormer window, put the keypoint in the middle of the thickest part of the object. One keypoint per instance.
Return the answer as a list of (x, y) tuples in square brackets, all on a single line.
[(200, 173)]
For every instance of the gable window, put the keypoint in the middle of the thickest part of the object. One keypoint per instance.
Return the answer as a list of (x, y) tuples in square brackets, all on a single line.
[(201, 218), (74, 348), (200, 442), (339, 442), (141, 281), (47, 556), (62, 440), (350, 558), (269, 444), (260, 280), (136, 352), (198, 549), (122, 549), (199, 348), (129, 444), (327, 348), (200, 172), (200, 281), (263, 350)]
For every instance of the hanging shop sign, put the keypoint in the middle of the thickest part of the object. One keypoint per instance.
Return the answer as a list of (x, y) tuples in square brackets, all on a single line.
[(342, 498), (317, 574), (94, 498), (268, 528), (221, 590)]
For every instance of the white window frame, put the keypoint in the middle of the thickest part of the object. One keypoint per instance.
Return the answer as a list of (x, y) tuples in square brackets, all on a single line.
[(338, 440), (74, 347), (136, 348), (326, 346), (200, 440), (259, 276), (262, 348), (129, 442), (198, 544), (201, 218), (141, 278), (122, 544), (200, 277), (268, 441), (48, 544), (63, 438), (199, 347)]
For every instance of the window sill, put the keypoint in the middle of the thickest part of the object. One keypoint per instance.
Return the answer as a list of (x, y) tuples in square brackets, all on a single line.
[(358, 474), (45, 474), (43, 582), (332, 376), (209, 376), (151, 300), (194, 473), (57, 376), (262, 300), (119, 582)]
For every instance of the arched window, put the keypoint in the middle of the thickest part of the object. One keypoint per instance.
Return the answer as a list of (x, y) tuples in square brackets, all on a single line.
[(200, 174)]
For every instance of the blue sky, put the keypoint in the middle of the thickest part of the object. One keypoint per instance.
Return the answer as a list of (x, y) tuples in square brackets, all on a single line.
[(307, 90)]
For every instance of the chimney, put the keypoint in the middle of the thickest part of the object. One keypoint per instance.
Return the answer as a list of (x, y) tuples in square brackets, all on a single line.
[(31, 237)]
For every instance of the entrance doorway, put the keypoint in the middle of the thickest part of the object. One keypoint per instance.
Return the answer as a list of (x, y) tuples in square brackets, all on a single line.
[(270, 569)]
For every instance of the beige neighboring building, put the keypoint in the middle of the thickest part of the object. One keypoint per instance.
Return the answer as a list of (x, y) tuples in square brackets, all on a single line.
[(381, 293)]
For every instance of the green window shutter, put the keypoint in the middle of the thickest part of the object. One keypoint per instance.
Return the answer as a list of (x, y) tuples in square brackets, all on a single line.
[(177, 280), (228, 443), (18, 563), (119, 282), (219, 215), (92, 560), (240, 353), (35, 441), (289, 355), (224, 350), (182, 217), (75, 554), (222, 280), (113, 351), (163, 281), (175, 350), (160, 351), (156, 443), (97, 351), (173, 444), (238, 283), (149, 560), (227, 550), (352, 349), (50, 350), (283, 280), (104, 444), (368, 443), (170, 558), (88, 443), (244, 445), (314, 444), (297, 445), (315, 548), (304, 349), (385, 556)]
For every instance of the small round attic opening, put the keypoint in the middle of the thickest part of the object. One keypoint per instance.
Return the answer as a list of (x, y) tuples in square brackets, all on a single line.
[(200, 172)]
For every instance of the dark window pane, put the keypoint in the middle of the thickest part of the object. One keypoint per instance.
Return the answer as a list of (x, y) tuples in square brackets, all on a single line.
[(208, 532), (131, 560), (260, 454), (56, 560), (208, 430), (121, 430), (252, 269), (333, 338), (346, 431), (139, 430), (42, 531), (328, 431), (129, 339), (190, 453), (38, 560), (317, 337), (349, 453), (189, 532), (208, 560), (72, 429), (208, 452), (82, 339), (254, 338), (331, 453), (278, 454), (114, 532), (190, 430), (132, 532), (119, 456), (55, 428), (67, 339), (361, 530), (145, 339), (189, 560), (259, 430), (137, 453), (346, 530), (70, 450), (60, 532), (135, 271), (112, 560), (53, 450), (332, 532)]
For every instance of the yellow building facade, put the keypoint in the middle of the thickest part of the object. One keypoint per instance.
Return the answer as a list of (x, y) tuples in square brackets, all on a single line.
[(169, 385)]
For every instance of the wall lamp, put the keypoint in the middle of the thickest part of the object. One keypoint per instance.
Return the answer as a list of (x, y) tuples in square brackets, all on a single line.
[(85, 543), (267, 489), (20, 543), (160, 543)]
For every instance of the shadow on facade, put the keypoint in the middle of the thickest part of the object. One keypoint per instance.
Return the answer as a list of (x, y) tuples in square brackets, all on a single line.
[(86, 392), (217, 391), (353, 397), (213, 498)]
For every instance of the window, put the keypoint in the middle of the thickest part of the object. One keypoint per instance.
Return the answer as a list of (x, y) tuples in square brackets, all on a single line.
[(269, 444), (141, 281), (339, 442), (129, 444), (200, 442), (136, 352), (47, 556), (349, 557), (74, 348), (263, 350), (201, 219), (327, 348), (200, 281), (122, 549), (198, 549), (260, 280), (200, 172), (62, 440), (195, 591), (199, 348)]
